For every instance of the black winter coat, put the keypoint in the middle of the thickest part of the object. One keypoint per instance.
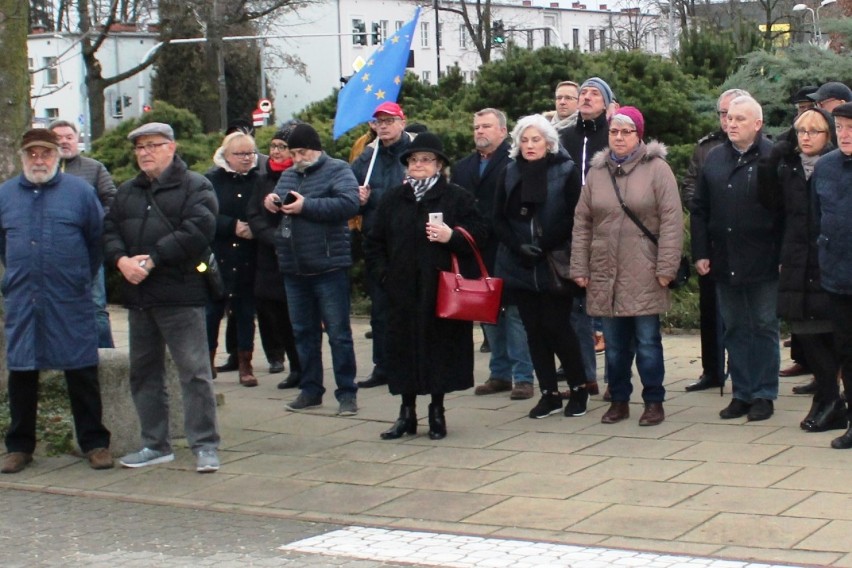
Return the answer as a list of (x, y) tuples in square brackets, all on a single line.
[(237, 256), (466, 174), (782, 187), (425, 354), (268, 280), (740, 236), (585, 139), (132, 227)]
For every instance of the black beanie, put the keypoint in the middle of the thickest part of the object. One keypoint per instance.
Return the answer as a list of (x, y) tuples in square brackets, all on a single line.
[(283, 133), (304, 136)]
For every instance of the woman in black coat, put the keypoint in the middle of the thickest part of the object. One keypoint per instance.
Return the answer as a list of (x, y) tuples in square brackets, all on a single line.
[(234, 179), (273, 316), (784, 184), (426, 355)]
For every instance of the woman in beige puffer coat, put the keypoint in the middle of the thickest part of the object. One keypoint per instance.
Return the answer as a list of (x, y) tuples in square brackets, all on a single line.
[(625, 274)]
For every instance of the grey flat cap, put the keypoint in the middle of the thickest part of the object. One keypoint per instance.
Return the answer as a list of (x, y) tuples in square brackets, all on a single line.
[(152, 129), (833, 90)]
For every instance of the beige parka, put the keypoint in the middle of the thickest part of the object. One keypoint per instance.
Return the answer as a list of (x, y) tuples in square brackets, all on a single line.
[(621, 263)]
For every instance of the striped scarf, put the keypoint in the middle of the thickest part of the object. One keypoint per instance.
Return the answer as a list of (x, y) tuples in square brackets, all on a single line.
[(421, 186)]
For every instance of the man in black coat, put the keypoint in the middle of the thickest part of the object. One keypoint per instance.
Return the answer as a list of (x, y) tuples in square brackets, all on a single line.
[(156, 233), (737, 241), (478, 173)]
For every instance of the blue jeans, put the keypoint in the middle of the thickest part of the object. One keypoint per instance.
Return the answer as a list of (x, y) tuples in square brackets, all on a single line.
[(242, 310), (639, 337), (751, 338), (102, 315), (582, 324), (510, 354), (316, 301)]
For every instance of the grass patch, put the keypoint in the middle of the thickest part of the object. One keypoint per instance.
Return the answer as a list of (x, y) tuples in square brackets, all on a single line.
[(54, 426)]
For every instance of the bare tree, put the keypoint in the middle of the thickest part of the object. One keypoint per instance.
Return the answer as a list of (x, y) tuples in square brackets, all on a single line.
[(631, 28), (477, 18)]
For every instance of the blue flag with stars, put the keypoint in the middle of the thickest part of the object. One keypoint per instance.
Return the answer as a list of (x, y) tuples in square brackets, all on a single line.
[(378, 81)]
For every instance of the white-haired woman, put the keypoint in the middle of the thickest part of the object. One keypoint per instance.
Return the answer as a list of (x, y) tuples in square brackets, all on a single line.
[(533, 218), (626, 274), (234, 178)]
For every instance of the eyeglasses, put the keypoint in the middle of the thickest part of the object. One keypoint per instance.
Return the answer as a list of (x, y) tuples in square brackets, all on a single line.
[(149, 147), (623, 133), (243, 155), (278, 146), (421, 160), (43, 156), (809, 133), (566, 98), (385, 121)]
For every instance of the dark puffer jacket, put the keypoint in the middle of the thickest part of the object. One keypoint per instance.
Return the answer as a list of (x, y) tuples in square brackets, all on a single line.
[(831, 181), (269, 282), (388, 172), (318, 239), (132, 227), (547, 225), (782, 186), (730, 227)]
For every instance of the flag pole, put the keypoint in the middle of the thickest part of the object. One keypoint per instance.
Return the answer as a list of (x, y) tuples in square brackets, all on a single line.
[(372, 163)]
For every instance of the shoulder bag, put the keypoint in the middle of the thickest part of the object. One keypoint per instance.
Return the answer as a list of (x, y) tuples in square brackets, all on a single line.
[(468, 299), (683, 271), (208, 266)]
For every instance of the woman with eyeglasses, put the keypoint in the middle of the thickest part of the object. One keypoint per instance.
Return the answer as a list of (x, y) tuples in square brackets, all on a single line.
[(784, 184), (426, 355), (533, 213), (273, 317), (625, 274), (234, 178)]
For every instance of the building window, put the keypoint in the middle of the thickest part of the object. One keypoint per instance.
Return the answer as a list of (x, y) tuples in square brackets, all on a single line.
[(530, 40), (424, 34), (576, 38), (602, 35), (51, 71), (397, 25), (380, 32), (359, 31), (426, 76), (51, 113), (591, 40), (440, 41), (462, 36), (30, 65)]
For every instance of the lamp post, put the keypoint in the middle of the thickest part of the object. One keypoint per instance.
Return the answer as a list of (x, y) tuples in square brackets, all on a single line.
[(802, 8), (822, 4), (817, 37)]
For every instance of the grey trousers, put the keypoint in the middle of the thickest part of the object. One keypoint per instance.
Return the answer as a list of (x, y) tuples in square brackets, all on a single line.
[(183, 330)]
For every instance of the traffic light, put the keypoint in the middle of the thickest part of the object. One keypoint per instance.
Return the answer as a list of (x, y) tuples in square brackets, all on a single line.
[(498, 33), (377, 33), (359, 30)]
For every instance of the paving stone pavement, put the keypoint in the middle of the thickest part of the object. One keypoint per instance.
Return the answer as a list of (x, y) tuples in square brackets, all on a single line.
[(695, 485)]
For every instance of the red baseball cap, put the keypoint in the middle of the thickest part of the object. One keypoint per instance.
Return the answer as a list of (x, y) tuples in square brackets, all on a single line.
[(390, 108)]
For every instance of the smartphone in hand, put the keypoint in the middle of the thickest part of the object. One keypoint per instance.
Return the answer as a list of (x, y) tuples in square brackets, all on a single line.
[(436, 218), (289, 198)]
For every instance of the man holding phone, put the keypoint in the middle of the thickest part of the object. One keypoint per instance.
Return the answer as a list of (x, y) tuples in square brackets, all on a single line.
[(315, 199)]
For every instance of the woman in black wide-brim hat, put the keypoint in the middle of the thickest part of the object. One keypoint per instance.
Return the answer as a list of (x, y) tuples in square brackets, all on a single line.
[(425, 355)]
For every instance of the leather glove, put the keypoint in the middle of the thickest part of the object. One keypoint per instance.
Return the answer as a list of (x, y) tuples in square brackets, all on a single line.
[(530, 255)]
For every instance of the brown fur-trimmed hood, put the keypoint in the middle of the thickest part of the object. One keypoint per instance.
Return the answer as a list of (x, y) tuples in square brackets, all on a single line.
[(652, 149)]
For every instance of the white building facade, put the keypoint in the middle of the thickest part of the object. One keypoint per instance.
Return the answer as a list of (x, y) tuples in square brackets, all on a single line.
[(528, 23), (57, 77)]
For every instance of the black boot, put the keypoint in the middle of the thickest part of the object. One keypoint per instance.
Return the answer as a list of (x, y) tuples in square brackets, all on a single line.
[(816, 405), (844, 442), (437, 422), (405, 424), (232, 364), (829, 416)]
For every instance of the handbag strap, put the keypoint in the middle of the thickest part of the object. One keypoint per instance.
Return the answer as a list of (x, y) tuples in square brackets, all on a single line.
[(482, 270), (629, 212)]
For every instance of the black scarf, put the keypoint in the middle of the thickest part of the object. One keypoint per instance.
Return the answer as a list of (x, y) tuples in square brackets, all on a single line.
[(534, 179)]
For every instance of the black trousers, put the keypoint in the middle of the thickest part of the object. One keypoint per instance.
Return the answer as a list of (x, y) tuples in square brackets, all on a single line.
[(842, 319), (276, 332), (85, 395), (712, 348), (818, 349), (546, 319)]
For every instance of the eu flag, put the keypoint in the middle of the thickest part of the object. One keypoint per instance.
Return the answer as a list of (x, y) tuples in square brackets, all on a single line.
[(378, 81)]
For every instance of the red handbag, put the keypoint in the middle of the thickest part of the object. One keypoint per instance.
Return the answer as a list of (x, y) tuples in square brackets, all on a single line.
[(468, 299)]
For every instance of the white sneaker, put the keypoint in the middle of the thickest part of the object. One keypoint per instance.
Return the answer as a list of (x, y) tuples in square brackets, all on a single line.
[(146, 456), (207, 461)]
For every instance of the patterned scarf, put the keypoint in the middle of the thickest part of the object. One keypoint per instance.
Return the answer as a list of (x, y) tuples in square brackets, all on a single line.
[(421, 186)]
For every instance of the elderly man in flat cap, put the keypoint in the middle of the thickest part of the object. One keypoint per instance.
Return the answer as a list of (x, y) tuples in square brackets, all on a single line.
[(156, 232), (50, 244)]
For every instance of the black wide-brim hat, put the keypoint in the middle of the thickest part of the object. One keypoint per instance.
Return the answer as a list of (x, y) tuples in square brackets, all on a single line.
[(425, 142)]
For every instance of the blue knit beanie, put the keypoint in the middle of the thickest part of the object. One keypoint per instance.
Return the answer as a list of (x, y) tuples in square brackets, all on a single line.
[(600, 85)]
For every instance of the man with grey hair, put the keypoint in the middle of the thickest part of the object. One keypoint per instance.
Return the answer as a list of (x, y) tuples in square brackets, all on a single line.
[(736, 240), (156, 234), (96, 174), (510, 367), (712, 352)]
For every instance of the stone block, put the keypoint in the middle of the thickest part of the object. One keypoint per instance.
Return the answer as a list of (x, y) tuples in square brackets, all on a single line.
[(119, 411)]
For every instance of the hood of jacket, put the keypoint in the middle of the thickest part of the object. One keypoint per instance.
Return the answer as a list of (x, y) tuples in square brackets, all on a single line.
[(645, 152), (219, 160)]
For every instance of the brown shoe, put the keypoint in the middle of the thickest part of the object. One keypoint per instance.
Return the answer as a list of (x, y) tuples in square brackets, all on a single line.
[(522, 391), (247, 378), (794, 370), (15, 462), (617, 412), (100, 458), (607, 397), (600, 344), (493, 386), (592, 388), (653, 415)]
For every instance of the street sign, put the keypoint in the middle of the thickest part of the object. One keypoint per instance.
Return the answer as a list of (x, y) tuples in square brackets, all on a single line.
[(258, 117), (264, 105)]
